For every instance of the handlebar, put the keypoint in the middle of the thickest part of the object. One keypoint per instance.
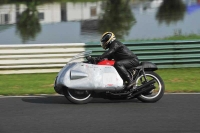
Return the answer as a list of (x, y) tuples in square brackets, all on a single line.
[(91, 59)]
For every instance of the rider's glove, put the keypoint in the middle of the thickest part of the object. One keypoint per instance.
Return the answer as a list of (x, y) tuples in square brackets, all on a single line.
[(97, 59), (94, 60)]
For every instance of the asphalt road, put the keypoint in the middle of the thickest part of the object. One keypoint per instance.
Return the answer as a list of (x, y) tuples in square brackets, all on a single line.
[(54, 114)]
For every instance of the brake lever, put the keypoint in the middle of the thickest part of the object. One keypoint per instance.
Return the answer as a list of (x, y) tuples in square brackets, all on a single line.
[(89, 58)]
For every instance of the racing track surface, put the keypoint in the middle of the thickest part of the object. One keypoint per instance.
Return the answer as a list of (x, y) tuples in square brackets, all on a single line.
[(174, 113)]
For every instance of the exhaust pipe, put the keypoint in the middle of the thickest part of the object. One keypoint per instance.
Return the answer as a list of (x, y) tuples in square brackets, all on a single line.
[(146, 84), (142, 91), (139, 89)]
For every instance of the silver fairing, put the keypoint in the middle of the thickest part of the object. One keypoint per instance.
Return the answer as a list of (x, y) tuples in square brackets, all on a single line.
[(83, 76)]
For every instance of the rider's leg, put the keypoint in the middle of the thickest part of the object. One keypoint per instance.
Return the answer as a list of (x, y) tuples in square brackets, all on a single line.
[(122, 66)]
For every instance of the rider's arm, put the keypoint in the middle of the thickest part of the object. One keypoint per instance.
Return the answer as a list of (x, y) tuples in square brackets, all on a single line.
[(110, 57), (112, 49)]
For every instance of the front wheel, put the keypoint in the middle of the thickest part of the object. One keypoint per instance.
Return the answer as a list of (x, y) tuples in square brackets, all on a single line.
[(78, 96), (155, 94)]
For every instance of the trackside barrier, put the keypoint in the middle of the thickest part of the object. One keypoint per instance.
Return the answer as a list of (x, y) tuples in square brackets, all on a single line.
[(36, 58), (46, 58), (165, 54)]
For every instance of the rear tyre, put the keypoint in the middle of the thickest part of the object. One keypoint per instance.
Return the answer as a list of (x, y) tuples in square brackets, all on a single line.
[(78, 96), (155, 94)]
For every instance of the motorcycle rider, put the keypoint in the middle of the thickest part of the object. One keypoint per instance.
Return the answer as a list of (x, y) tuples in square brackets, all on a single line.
[(124, 58)]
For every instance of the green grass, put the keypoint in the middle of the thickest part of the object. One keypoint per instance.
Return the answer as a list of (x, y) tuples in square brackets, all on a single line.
[(176, 80), (181, 80), (183, 37), (170, 38), (22, 84)]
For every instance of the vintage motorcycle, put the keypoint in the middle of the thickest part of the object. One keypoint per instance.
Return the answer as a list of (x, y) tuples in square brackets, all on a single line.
[(82, 79)]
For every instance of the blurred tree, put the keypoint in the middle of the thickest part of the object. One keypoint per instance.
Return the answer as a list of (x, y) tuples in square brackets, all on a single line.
[(117, 18), (171, 11), (43, 1), (3, 1), (28, 25)]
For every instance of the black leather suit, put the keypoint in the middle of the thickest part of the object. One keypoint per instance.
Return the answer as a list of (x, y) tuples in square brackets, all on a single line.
[(124, 58)]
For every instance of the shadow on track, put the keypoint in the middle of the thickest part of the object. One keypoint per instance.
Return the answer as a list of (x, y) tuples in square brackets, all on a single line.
[(46, 100), (63, 100)]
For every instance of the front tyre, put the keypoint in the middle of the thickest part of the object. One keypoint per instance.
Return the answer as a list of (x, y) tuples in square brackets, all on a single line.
[(155, 94), (78, 96)]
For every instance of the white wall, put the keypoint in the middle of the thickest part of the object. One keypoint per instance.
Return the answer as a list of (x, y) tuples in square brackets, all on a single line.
[(82, 11), (52, 12), (10, 10)]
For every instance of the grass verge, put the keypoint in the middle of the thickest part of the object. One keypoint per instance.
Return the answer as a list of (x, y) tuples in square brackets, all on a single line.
[(27, 84), (176, 80), (188, 37), (181, 79)]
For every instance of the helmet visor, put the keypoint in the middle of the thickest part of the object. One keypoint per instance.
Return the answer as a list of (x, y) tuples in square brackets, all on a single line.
[(103, 45)]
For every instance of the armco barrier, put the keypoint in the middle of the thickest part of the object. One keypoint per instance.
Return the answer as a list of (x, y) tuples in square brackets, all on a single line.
[(165, 54), (36, 58), (44, 58)]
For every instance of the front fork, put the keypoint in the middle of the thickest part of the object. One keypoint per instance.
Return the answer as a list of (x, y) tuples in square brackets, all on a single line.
[(138, 73), (143, 72)]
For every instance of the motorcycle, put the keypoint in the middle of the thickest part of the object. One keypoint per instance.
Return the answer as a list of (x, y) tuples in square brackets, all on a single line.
[(83, 79)]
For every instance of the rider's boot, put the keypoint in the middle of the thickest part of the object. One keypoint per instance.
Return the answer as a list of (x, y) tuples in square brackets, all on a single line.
[(131, 85)]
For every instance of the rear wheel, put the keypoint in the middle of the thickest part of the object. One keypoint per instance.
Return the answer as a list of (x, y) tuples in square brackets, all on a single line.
[(78, 96), (155, 94)]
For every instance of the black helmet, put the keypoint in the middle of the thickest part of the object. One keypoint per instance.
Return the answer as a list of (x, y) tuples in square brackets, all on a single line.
[(107, 38)]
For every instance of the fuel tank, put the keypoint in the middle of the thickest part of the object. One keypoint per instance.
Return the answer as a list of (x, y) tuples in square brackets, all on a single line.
[(106, 62), (83, 76)]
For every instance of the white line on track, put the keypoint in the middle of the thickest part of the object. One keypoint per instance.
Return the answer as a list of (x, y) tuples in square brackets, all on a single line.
[(42, 95), (47, 95)]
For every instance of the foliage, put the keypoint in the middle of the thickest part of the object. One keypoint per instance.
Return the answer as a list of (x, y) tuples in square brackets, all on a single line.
[(171, 11), (28, 25), (3, 1), (42, 1), (118, 19)]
